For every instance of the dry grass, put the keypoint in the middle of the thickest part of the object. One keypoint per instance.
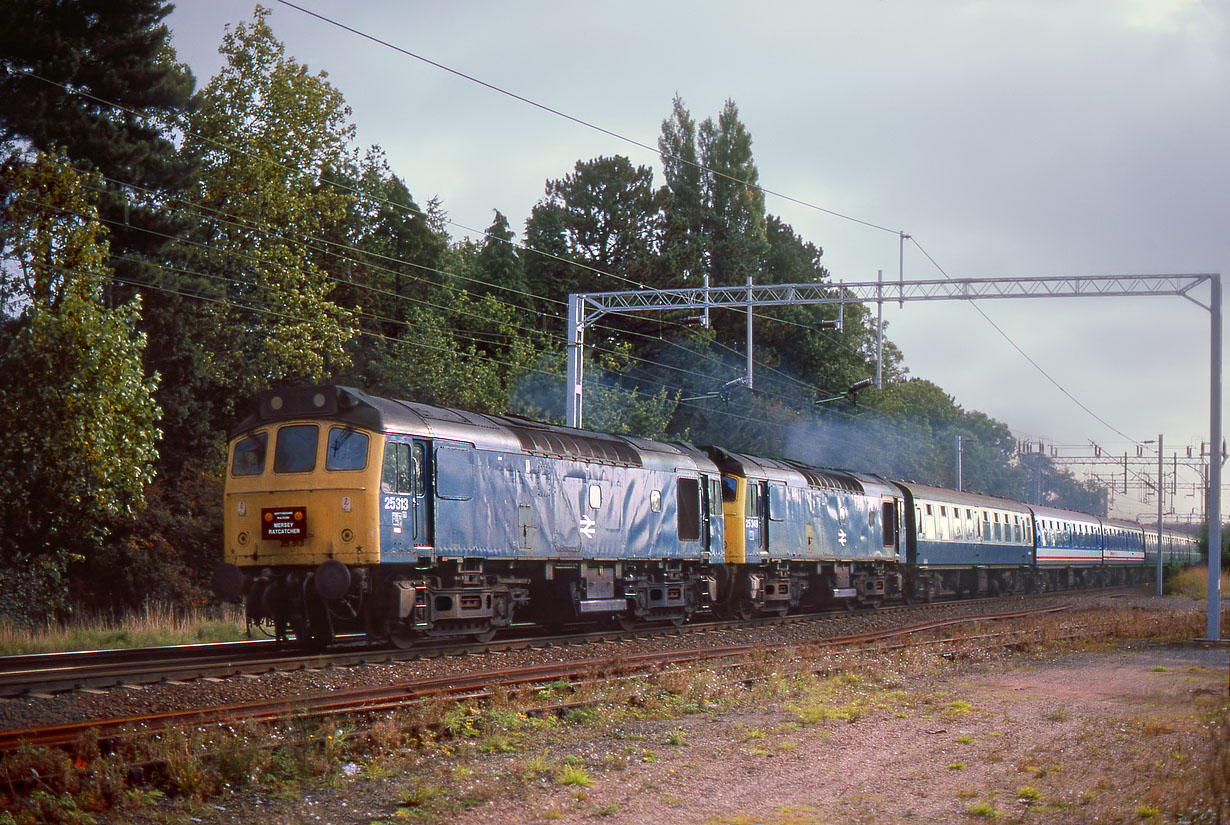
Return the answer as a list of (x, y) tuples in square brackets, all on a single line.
[(1193, 582), (155, 625)]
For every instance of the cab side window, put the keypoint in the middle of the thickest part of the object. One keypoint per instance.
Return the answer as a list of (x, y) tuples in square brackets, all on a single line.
[(398, 473)]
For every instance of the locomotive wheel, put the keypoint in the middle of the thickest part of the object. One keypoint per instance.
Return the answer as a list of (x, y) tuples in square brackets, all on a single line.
[(626, 622), (484, 636), (401, 639)]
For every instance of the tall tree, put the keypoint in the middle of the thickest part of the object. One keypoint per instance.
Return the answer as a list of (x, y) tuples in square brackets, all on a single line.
[(681, 255), (601, 217), (269, 136), (97, 78), (734, 205), (79, 412), (498, 266), (714, 217)]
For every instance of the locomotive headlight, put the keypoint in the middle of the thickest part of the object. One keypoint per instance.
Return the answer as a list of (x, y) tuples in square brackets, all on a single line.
[(347, 536)]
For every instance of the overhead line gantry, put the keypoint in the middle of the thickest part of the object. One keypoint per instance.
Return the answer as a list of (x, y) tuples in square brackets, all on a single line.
[(584, 309)]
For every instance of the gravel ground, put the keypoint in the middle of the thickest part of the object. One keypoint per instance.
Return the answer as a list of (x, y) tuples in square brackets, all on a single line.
[(1114, 735)]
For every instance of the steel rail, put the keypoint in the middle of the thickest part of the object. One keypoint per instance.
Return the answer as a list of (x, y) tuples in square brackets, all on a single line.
[(43, 675), (381, 698)]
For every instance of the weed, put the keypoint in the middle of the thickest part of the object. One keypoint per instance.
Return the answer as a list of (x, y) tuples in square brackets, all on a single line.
[(986, 810), (461, 722), (497, 744), (676, 738), (964, 740), (535, 767), (1160, 669), (574, 775), (1029, 795), (956, 766), (1147, 812), (419, 795)]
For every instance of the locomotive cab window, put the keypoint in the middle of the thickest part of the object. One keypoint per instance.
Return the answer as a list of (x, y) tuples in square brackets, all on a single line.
[(730, 488), (296, 449), (249, 456), (347, 450), (715, 497)]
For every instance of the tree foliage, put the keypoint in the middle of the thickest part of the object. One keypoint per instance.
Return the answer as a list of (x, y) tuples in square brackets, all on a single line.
[(267, 250), (96, 80), (268, 136), (81, 417)]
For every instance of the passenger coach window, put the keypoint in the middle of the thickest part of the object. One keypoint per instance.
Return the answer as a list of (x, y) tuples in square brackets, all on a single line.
[(688, 491), (249, 458), (347, 450), (296, 450)]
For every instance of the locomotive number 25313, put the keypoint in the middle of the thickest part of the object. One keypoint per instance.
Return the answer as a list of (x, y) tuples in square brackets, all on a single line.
[(397, 503)]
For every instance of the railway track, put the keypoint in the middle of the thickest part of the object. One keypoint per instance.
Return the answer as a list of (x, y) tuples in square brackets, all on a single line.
[(477, 683), (46, 674)]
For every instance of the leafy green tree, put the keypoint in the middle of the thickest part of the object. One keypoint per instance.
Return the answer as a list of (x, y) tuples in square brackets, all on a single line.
[(98, 80), (498, 268), (471, 357), (268, 137), (80, 413), (602, 218), (612, 404)]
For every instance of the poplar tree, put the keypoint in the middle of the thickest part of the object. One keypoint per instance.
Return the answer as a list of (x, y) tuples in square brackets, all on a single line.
[(271, 139)]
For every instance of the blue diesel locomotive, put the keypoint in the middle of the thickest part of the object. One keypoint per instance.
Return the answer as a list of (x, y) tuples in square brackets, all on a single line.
[(407, 520)]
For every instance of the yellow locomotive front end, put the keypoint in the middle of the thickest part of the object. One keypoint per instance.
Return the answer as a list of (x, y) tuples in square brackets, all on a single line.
[(301, 517)]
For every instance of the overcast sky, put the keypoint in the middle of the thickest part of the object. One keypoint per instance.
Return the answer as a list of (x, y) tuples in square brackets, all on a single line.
[(1010, 138)]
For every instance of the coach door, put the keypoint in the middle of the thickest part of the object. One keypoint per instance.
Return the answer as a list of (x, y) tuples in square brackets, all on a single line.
[(889, 525), (405, 511)]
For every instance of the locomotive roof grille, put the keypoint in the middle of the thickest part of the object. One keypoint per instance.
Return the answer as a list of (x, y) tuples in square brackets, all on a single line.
[(827, 480), (574, 446)]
